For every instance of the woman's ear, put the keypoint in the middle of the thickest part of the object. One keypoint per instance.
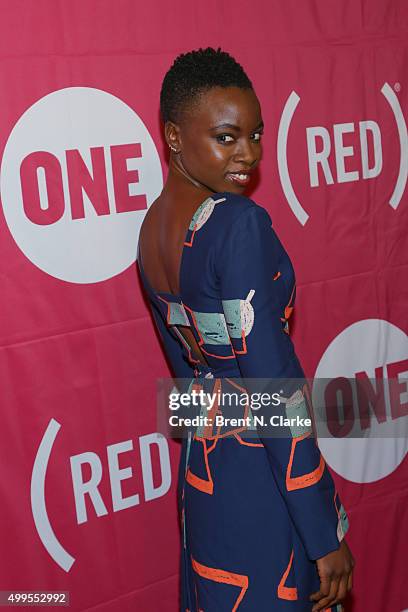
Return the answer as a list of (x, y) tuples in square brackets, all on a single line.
[(172, 135)]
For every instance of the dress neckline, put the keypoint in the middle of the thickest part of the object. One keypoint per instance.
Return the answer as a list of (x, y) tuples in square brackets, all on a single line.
[(177, 296)]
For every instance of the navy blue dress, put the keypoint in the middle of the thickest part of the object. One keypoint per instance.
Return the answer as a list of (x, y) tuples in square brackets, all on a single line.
[(256, 512)]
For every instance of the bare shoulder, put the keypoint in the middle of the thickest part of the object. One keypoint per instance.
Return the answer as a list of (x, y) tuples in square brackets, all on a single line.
[(149, 220)]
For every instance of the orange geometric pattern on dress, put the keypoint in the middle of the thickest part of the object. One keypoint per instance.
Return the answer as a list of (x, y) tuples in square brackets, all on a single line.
[(211, 413), (244, 346), (233, 432), (201, 341), (288, 311), (217, 436), (335, 504), (207, 433), (209, 437), (288, 308), (179, 334), (292, 294), (214, 444), (197, 387), (217, 356), (223, 576), (168, 309), (186, 345), (190, 244), (236, 385), (205, 486), (244, 443), (307, 480), (285, 592)]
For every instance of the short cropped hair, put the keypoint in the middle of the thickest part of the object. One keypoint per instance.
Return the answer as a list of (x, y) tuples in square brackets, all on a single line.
[(195, 72)]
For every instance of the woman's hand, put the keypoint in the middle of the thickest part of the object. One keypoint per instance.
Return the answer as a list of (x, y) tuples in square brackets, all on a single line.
[(336, 575)]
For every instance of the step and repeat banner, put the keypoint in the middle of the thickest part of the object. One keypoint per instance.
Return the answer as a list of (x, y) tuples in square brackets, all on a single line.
[(87, 483)]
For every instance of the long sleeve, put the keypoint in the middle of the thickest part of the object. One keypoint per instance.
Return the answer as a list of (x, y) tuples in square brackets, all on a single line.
[(250, 261)]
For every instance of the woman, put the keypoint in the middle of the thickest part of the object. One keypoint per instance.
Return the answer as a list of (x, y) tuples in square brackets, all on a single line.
[(262, 523)]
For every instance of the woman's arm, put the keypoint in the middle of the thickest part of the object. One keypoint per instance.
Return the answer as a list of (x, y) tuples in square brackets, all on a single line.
[(247, 262)]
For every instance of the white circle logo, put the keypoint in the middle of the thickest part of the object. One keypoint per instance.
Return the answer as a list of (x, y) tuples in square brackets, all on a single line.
[(79, 171), (374, 352)]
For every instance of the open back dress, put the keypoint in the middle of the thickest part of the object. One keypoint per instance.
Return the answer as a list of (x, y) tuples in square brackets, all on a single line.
[(255, 512)]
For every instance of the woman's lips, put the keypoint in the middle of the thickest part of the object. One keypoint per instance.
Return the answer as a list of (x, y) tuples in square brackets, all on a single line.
[(240, 178)]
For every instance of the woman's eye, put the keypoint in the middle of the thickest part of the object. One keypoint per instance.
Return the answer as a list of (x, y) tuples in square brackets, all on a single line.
[(225, 138), (257, 136)]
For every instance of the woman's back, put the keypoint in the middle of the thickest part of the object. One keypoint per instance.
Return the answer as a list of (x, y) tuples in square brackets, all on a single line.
[(185, 264), (161, 244)]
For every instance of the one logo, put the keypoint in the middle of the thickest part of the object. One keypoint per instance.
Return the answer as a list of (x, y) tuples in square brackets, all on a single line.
[(78, 173), (364, 440), (320, 143), (89, 487)]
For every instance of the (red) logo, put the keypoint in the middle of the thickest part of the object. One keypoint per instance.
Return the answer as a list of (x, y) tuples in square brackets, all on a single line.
[(328, 153)]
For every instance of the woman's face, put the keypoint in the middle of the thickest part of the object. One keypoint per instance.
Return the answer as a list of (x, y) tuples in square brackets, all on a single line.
[(219, 139)]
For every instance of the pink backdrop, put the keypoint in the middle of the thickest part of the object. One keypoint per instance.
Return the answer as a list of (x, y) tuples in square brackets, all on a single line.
[(79, 357)]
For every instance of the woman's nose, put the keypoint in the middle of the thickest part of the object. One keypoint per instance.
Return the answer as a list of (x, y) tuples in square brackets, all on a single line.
[(245, 152)]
